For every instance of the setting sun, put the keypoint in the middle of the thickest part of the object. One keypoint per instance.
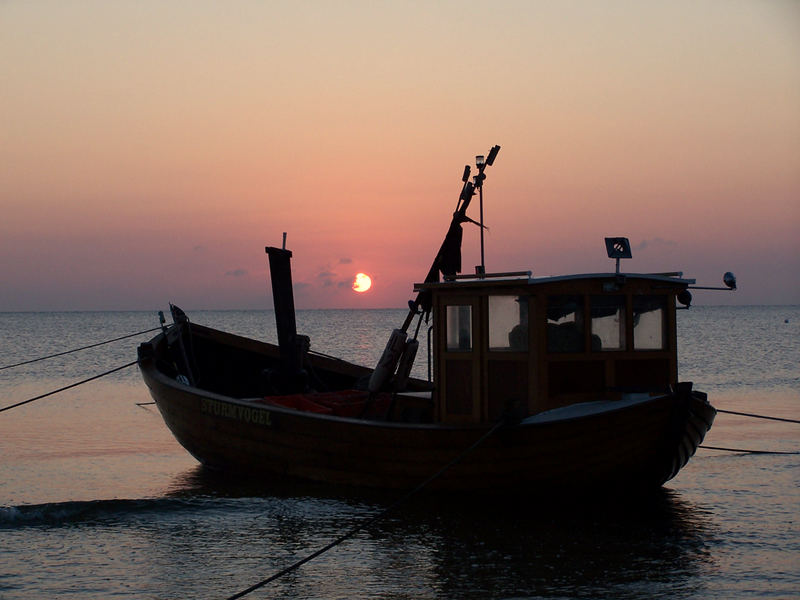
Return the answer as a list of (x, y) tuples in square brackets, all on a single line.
[(362, 282)]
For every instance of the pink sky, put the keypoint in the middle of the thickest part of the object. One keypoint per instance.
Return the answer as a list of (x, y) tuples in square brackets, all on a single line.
[(150, 150)]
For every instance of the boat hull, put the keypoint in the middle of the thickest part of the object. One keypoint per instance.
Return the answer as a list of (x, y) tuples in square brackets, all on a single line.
[(636, 445)]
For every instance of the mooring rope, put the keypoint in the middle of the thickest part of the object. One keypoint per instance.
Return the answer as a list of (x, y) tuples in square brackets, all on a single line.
[(66, 387), (743, 414), (745, 451), (124, 337), (371, 520)]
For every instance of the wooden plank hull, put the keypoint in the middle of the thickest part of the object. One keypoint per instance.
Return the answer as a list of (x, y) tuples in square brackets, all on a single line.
[(639, 445)]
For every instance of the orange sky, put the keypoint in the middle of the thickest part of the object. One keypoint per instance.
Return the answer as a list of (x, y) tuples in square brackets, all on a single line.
[(150, 150)]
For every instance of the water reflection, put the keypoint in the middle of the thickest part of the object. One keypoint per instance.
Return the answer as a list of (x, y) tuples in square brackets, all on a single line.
[(567, 548), (478, 547)]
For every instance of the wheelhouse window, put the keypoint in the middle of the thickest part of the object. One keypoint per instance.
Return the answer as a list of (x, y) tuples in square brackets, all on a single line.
[(608, 323), (565, 324), (459, 328), (648, 322), (508, 323)]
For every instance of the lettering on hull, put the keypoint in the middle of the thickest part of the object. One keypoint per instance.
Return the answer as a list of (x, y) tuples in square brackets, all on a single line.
[(233, 411)]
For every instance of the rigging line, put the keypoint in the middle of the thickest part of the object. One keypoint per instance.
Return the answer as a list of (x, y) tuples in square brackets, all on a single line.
[(749, 451), (25, 362), (743, 414), (325, 355), (371, 520), (66, 387)]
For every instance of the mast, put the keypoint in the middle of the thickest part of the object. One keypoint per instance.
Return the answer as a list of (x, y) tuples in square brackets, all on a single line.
[(293, 347), (448, 258), (399, 349)]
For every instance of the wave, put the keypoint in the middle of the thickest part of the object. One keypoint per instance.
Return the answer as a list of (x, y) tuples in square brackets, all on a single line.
[(91, 511)]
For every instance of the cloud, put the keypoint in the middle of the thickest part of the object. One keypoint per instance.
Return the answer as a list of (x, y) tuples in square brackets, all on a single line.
[(654, 242), (328, 278), (236, 273)]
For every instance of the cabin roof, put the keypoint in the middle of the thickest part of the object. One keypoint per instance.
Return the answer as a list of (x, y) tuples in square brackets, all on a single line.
[(516, 280)]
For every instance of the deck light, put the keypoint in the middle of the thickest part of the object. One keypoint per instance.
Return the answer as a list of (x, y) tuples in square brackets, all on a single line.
[(480, 160), (685, 298), (729, 279)]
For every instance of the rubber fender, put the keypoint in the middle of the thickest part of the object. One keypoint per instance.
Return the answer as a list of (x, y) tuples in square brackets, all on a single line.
[(388, 362)]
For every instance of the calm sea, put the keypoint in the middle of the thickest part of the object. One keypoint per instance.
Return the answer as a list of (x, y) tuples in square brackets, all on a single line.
[(98, 501)]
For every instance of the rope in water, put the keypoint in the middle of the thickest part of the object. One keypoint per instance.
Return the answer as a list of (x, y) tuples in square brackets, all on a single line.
[(66, 387), (745, 451), (124, 337), (743, 414), (371, 520)]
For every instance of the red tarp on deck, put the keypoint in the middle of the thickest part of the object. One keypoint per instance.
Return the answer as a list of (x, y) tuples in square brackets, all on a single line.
[(342, 403)]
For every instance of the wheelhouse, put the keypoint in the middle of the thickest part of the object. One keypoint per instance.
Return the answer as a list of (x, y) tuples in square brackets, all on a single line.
[(515, 343)]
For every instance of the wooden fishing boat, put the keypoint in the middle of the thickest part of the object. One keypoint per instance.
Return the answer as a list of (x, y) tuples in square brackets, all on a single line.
[(573, 378)]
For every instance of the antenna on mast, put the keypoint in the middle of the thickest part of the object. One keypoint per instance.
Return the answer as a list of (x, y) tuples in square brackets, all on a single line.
[(482, 162)]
